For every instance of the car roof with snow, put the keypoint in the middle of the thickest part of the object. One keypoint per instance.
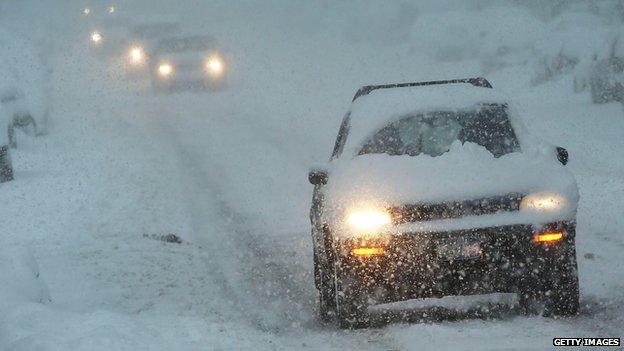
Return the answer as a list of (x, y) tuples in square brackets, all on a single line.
[(374, 107)]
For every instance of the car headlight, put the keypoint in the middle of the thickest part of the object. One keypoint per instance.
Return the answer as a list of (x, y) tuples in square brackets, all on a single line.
[(543, 202), (136, 55), (215, 65), (165, 69), (111, 9), (86, 11), (368, 219), (96, 37)]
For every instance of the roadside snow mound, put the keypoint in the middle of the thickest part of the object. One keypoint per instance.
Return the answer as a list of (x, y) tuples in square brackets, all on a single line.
[(21, 70), (19, 278)]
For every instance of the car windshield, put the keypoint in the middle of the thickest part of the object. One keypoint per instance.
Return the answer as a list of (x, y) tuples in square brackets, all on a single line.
[(433, 133), (186, 44)]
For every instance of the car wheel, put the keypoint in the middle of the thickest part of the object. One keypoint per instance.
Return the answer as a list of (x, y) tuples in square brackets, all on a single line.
[(564, 293), (351, 302), (6, 169), (555, 293), (327, 296)]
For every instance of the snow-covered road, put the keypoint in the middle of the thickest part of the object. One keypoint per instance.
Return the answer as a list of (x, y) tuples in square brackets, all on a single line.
[(227, 173)]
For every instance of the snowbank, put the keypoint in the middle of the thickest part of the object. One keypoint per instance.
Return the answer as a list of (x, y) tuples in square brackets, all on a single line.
[(22, 70), (20, 279)]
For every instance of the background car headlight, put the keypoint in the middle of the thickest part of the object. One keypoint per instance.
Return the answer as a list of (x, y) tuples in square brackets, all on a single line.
[(136, 55), (165, 69), (214, 65), (368, 219), (96, 37), (86, 11), (543, 202)]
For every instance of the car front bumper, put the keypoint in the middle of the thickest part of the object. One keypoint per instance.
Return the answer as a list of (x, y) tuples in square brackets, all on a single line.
[(411, 266)]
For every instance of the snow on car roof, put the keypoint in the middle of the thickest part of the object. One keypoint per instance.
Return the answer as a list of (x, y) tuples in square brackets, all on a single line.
[(373, 111)]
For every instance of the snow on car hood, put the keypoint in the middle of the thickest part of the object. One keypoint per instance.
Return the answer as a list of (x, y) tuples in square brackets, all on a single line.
[(466, 172)]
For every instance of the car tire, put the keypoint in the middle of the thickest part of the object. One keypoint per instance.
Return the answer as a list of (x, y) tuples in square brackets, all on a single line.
[(564, 293), (553, 294), (324, 281), (6, 168), (327, 297), (351, 302)]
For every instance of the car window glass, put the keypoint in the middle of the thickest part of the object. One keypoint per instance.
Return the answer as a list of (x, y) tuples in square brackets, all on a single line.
[(342, 136), (433, 133)]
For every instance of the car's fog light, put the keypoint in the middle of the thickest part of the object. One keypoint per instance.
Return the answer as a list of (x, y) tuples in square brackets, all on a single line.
[(547, 237), (368, 251), (543, 202)]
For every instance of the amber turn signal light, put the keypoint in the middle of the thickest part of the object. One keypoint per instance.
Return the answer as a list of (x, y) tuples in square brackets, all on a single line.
[(368, 251), (547, 237)]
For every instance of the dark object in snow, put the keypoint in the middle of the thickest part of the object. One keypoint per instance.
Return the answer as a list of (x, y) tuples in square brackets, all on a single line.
[(562, 155), (606, 75), (6, 168), (168, 238), (22, 121), (477, 82), (589, 256), (317, 176)]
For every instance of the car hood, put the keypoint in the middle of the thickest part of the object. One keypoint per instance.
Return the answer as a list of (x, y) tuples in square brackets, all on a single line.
[(466, 172)]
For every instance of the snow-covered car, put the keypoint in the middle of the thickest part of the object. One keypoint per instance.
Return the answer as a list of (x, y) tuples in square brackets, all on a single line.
[(108, 34), (436, 189), (142, 40), (188, 63), (91, 11)]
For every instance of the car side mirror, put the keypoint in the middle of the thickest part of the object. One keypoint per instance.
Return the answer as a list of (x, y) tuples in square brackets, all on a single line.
[(562, 155), (318, 176)]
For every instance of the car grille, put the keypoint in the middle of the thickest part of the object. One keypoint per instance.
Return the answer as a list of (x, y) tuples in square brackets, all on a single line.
[(455, 209)]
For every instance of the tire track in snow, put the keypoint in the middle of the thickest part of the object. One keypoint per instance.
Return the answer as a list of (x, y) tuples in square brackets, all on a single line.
[(265, 288)]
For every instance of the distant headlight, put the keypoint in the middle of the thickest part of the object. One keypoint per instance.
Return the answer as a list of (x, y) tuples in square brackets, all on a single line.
[(111, 9), (214, 65), (86, 11), (96, 37), (543, 202), (368, 219), (165, 69), (136, 55)]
